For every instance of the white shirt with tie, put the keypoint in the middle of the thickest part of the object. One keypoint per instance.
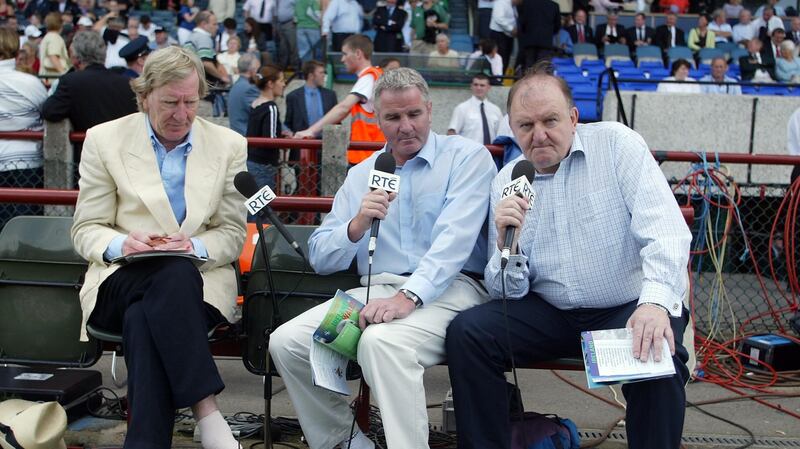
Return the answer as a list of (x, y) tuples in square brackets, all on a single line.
[(259, 10), (466, 120)]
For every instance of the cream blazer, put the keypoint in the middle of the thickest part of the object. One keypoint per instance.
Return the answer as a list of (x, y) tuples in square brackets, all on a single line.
[(121, 191)]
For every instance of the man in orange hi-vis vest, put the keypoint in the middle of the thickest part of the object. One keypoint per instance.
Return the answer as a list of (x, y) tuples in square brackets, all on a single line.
[(356, 54)]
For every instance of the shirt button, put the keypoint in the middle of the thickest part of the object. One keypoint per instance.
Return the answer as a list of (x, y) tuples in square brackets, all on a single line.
[(675, 307)]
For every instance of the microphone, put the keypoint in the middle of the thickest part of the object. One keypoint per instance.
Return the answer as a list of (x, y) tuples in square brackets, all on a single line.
[(520, 185), (258, 204), (381, 177)]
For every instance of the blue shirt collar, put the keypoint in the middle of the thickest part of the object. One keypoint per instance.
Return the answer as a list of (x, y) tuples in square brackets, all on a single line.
[(428, 151), (185, 146)]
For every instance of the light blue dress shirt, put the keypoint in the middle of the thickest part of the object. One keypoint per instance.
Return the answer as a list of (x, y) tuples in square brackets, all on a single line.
[(434, 229), (313, 104), (727, 89), (604, 230), (172, 166)]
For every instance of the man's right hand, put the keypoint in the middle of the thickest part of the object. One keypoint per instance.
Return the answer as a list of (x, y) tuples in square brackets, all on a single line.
[(375, 204), (138, 241), (510, 211)]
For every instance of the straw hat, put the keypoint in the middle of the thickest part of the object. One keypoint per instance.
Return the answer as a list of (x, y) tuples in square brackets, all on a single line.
[(32, 425)]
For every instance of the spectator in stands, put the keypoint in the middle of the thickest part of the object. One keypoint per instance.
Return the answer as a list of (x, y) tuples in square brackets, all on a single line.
[(356, 54), (745, 30), (59, 6), (389, 64), (602, 7), (733, 8), (162, 179), (228, 31), (720, 26), (701, 36), (307, 104), (580, 32), (135, 54), (6, 10), (787, 67), (132, 29), (243, 92), (32, 34), (186, 16), (639, 34), (110, 27), (287, 35), (502, 29), (719, 70), (253, 40), (265, 121), (147, 28), (21, 98), (679, 72), (486, 60), (794, 30), (262, 11), (388, 22), (766, 23), (85, 23), (428, 20), (570, 280), (610, 32), (561, 41), (53, 50), (202, 41), (429, 261), (230, 58), (222, 9), (539, 21), (778, 9), (669, 35), (91, 94), (308, 15), (27, 62), (163, 39), (484, 18), (674, 6), (476, 119), (342, 19), (444, 57), (759, 65)]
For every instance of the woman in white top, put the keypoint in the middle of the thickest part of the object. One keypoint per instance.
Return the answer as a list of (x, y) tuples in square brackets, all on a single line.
[(230, 58), (443, 56), (680, 72)]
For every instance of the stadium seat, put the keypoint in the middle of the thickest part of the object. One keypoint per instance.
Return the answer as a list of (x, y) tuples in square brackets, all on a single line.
[(582, 52), (737, 53), (616, 52), (560, 62), (650, 65), (649, 54), (675, 53), (707, 54), (727, 48), (592, 63), (565, 70)]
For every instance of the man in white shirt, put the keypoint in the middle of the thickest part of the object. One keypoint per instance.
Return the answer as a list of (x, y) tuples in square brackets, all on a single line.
[(779, 11), (477, 118), (503, 28), (745, 29), (719, 68), (202, 39), (262, 11), (766, 23), (722, 30)]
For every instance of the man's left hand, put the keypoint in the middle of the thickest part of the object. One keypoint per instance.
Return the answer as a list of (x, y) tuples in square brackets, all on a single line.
[(384, 310), (304, 134), (650, 324), (176, 242)]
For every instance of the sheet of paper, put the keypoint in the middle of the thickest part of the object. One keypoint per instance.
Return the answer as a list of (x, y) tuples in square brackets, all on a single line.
[(328, 368), (614, 356)]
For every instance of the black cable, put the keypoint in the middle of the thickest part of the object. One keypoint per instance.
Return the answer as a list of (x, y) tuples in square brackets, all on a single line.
[(109, 407), (726, 421)]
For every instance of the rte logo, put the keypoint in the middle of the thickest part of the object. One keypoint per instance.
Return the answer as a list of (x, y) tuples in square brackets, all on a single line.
[(385, 181), (260, 200)]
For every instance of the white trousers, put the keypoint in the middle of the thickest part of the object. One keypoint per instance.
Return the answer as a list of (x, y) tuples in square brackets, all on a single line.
[(393, 357)]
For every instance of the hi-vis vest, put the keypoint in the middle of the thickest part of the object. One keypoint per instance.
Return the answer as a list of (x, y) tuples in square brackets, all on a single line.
[(364, 125)]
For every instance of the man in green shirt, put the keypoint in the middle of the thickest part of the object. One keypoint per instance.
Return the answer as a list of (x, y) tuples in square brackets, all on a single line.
[(421, 24), (308, 18)]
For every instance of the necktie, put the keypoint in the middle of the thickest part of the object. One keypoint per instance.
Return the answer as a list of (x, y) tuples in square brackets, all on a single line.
[(778, 53), (581, 37), (263, 7), (486, 137), (641, 34)]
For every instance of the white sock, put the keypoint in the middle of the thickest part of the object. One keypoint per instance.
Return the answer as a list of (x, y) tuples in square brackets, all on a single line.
[(215, 432), (360, 441)]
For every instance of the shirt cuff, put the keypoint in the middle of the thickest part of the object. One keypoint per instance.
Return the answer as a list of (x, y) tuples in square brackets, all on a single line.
[(422, 288), (114, 248), (662, 295), (199, 248)]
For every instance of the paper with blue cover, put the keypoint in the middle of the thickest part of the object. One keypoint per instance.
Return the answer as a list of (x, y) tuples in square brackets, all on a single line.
[(608, 359)]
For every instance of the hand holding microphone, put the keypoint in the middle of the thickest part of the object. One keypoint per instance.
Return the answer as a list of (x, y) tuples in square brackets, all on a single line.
[(517, 197)]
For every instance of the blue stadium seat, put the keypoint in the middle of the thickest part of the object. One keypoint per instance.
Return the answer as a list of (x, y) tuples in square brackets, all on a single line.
[(737, 53), (726, 47), (616, 53), (592, 63), (648, 54), (658, 74), (560, 62), (622, 63), (582, 52), (676, 53), (707, 54)]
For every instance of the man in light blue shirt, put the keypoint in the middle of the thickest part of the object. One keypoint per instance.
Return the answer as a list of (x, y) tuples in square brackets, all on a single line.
[(719, 68), (604, 246), (243, 93), (429, 259)]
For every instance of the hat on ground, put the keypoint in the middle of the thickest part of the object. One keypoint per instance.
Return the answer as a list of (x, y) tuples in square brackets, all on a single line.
[(85, 21), (135, 48), (32, 425), (32, 31)]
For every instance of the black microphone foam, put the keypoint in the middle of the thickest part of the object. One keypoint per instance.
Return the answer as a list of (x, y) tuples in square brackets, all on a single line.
[(385, 163), (245, 184), (523, 168)]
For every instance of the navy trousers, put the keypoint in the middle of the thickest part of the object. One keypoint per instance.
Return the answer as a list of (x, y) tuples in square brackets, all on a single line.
[(477, 356), (158, 306)]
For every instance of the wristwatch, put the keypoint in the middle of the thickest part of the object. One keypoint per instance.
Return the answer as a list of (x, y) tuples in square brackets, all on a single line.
[(412, 297)]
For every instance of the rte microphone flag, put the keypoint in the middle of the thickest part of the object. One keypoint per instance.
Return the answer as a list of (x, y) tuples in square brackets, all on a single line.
[(520, 185), (381, 177)]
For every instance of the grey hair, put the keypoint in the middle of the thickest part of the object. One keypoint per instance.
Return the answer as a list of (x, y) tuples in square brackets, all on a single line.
[(89, 48), (246, 62), (718, 58), (165, 66), (443, 36), (398, 80), (787, 45)]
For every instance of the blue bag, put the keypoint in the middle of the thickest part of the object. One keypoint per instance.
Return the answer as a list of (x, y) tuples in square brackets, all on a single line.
[(537, 431)]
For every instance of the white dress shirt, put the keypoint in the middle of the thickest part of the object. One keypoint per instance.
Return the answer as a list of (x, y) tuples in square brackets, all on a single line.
[(342, 16), (504, 17), (253, 9), (466, 120), (744, 32)]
